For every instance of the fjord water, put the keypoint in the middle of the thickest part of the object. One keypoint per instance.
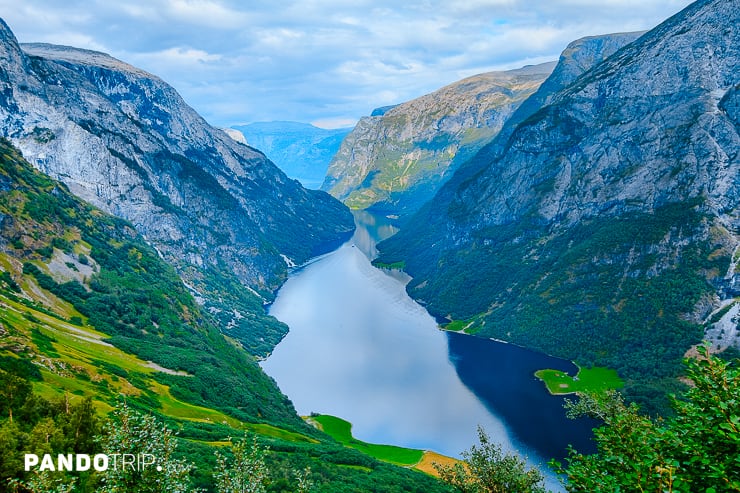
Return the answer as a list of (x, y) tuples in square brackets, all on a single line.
[(361, 349)]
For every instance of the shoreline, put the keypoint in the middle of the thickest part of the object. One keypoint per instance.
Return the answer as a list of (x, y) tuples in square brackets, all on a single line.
[(341, 430), (502, 341)]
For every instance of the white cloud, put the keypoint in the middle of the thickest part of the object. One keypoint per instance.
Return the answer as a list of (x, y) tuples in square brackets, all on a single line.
[(178, 57), (322, 60), (334, 122), (206, 13)]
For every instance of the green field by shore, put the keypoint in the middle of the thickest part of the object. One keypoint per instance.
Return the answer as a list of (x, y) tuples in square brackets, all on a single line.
[(596, 379), (341, 431)]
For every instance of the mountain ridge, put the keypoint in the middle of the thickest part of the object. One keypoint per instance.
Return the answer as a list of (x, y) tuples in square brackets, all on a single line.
[(126, 142), (578, 57), (600, 228), (633, 86), (396, 160)]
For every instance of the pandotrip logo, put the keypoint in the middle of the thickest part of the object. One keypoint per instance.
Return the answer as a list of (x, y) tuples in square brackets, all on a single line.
[(85, 462)]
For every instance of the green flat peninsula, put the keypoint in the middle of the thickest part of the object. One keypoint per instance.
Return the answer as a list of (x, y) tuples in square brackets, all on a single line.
[(595, 380), (341, 431)]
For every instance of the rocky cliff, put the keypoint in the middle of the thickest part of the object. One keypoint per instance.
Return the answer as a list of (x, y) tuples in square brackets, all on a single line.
[(125, 141), (396, 160), (601, 226), (578, 57)]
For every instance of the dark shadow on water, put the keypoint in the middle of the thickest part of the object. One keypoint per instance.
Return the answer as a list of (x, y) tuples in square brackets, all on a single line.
[(502, 376)]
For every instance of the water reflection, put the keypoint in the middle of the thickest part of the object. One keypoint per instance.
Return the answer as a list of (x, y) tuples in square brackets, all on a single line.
[(371, 230), (361, 349), (502, 376)]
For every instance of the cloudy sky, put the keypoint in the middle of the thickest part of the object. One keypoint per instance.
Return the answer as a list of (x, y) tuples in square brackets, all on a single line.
[(328, 62)]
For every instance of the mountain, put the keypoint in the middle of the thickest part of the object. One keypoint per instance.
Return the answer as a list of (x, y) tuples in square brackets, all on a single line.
[(125, 141), (397, 159), (89, 310), (301, 150), (578, 57), (603, 226), (85, 282)]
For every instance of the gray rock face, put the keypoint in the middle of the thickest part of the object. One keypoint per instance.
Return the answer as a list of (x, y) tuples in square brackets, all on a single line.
[(624, 182), (396, 160), (125, 141), (648, 126), (578, 57)]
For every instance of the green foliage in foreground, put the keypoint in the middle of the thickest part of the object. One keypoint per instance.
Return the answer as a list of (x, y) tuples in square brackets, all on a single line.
[(246, 472), (341, 431), (594, 380), (44, 427), (268, 464), (130, 432), (698, 449), (486, 469)]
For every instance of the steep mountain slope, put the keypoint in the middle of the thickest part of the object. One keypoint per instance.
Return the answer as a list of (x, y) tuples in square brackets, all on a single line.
[(301, 150), (578, 57), (126, 142), (396, 161), (92, 276), (89, 310), (601, 227)]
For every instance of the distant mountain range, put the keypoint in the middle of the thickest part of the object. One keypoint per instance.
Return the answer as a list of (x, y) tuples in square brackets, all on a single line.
[(396, 159), (301, 150), (601, 225)]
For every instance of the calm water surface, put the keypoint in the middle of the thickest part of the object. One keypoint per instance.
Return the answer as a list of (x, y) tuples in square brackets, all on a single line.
[(361, 349)]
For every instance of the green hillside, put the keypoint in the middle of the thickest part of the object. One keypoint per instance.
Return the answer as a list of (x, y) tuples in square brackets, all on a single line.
[(341, 431), (88, 310)]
